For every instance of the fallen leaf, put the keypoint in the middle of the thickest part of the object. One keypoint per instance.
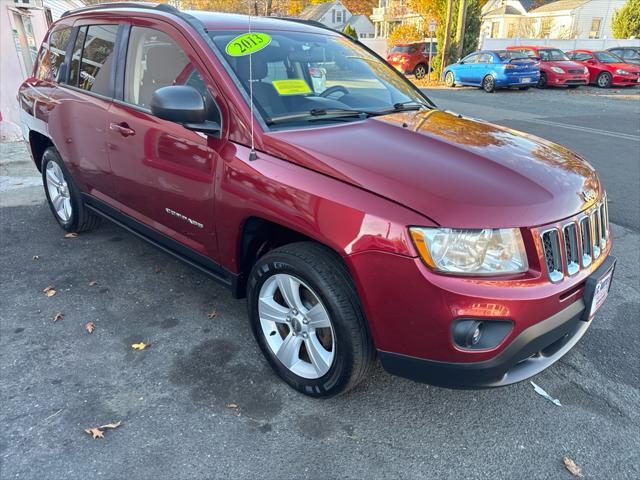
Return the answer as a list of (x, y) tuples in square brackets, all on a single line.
[(36, 257), (157, 269), (572, 467), (58, 316), (71, 235), (139, 346), (213, 314), (90, 327), (231, 405), (49, 291), (93, 283), (95, 432), (111, 425)]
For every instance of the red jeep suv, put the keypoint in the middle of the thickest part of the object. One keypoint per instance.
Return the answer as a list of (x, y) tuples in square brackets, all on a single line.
[(357, 218)]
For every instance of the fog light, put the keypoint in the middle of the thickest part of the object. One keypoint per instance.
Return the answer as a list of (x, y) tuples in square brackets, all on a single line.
[(472, 334)]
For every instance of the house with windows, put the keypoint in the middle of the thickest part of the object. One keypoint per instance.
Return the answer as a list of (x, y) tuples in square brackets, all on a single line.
[(391, 13), (502, 18), (23, 25), (574, 19), (562, 19)]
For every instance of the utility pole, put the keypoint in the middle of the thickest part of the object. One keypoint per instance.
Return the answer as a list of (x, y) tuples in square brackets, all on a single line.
[(447, 35), (462, 20)]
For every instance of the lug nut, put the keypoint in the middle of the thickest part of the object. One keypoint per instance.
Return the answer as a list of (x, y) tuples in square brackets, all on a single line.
[(304, 335), (305, 321), (288, 319)]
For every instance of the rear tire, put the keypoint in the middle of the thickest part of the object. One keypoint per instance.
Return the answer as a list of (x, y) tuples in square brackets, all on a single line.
[(298, 273), (489, 84), (450, 80), (63, 196), (604, 80)]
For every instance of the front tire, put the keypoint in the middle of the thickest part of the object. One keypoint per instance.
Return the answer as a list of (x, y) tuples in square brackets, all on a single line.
[(542, 81), (307, 319), (63, 196), (449, 80), (420, 71), (604, 80), (489, 84)]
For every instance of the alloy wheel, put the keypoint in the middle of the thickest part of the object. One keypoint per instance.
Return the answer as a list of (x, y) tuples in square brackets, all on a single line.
[(58, 192), (449, 80), (488, 84), (604, 80), (420, 71), (296, 326)]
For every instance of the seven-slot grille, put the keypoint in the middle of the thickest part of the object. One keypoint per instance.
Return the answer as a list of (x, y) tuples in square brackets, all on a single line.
[(576, 244), (575, 70)]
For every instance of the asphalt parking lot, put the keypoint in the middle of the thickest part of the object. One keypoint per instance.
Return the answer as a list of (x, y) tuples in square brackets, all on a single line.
[(173, 398)]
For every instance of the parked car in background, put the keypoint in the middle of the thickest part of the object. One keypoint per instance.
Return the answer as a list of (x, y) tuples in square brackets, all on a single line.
[(628, 54), (413, 58), (492, 69), (555, 67), (606, 69)]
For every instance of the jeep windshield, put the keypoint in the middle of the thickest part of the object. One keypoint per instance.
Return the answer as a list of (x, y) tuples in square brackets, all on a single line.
[(301, 79)]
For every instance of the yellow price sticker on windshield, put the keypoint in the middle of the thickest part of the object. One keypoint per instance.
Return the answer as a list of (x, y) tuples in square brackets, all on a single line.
[(247, 43), (295, 86)]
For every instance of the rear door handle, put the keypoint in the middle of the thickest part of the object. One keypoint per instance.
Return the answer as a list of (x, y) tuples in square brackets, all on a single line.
[(123, 128)]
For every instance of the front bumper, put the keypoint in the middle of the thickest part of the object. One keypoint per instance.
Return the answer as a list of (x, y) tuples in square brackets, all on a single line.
[(533, 350), (560, 80)]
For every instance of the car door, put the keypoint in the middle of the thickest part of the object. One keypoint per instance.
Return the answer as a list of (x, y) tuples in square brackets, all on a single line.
[(480, 68), (86, 87), (164, 173), (464, 69)]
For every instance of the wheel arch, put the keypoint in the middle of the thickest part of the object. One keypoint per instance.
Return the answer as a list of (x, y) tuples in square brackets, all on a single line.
[(38, 143), (259, 236)]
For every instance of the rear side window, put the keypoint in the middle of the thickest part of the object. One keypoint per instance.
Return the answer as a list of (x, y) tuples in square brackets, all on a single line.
[(92, 58), (52, 54), (97, 59)]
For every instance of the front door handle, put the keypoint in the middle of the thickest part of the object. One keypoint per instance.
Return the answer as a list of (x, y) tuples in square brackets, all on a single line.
[(123, 128)]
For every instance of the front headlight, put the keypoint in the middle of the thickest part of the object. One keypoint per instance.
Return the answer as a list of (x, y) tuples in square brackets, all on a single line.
[(471, 252), (586, 70), (557, 69), (622, 72)]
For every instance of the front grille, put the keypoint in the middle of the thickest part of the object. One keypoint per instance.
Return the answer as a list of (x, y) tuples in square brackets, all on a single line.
[(576, 244), (574, 70)]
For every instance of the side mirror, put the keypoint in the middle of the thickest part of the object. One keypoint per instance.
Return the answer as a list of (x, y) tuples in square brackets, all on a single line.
[(178, 103), (183, 104), (460, 61)]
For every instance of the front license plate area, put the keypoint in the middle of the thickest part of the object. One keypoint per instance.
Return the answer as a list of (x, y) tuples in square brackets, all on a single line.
[(597, 288), (525, 80)]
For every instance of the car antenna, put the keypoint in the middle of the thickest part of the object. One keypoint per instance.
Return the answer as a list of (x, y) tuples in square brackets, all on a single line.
[(252, 153)]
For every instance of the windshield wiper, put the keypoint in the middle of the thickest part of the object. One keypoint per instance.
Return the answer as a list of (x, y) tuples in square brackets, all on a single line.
[(319, 114), (316, 114)]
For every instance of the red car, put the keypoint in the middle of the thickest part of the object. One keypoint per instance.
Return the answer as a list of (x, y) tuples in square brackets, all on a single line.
[(357, 219), (607, 69), (413, 58), (555, 67)]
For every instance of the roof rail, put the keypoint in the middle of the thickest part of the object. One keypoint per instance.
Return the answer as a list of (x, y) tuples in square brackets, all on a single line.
[(162, 7)]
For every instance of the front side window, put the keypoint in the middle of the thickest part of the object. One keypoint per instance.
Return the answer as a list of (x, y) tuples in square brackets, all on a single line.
[(630, 54), (53, 53), (154, 60), (472, 58), (302, 72)]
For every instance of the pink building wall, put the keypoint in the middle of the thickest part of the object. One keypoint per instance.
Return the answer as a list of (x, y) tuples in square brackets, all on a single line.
[(12, 64)]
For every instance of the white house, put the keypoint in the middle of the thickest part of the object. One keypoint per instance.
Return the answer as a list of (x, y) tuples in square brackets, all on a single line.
[(502, 18), (331, 14), (574, 19), (364, 27), (563, 19)]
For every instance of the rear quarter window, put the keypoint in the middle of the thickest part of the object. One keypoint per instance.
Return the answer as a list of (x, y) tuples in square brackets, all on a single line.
[(52, 54)]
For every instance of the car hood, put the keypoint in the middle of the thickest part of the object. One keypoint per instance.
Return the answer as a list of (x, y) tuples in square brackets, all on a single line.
[(458, 172), (564, 64), (629, 67)]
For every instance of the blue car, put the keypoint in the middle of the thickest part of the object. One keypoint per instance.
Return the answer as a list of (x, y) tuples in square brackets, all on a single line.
[(492, 69)]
